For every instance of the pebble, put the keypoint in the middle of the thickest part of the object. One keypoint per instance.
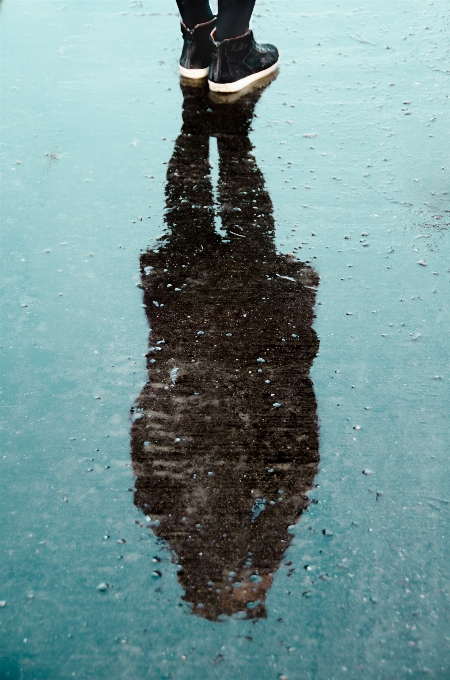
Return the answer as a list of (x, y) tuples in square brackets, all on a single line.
[(367, 472), (102, 587), (2, 603)]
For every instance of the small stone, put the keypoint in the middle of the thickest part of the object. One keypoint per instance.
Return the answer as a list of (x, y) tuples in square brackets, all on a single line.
[(367, 472), (422, 262), (102, 587), (2, 603)]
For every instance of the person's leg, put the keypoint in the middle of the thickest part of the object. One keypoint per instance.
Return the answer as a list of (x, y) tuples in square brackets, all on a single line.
[(233, 18), (237, 60), (194, 12), (197, 22)]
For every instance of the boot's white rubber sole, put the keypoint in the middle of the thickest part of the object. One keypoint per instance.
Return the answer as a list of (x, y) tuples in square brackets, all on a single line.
[(240, 84), (194, 73)]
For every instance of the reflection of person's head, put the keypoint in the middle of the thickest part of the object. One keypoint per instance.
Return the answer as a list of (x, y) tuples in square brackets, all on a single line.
[(227, 445)]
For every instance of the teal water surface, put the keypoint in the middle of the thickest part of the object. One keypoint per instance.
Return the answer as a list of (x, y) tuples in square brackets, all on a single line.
[(353, 141)]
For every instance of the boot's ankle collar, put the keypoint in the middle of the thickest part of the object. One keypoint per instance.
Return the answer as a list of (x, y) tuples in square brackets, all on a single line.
[(191, 30), (227, 40)]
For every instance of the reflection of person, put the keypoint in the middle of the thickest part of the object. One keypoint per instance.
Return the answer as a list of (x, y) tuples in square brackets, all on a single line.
[(225, 440), (223, 47)]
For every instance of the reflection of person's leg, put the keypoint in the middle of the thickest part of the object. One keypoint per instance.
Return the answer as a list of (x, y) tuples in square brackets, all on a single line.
[(194, 12), (233, 18)]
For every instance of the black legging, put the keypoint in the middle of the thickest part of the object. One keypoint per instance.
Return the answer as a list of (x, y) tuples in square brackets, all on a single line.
[(233, 16)]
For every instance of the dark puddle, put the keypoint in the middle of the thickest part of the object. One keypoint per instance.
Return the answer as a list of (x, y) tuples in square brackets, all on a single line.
[(223, 457)]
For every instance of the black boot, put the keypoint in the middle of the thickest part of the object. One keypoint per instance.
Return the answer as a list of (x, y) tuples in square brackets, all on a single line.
[(238, 62), (197, 50)]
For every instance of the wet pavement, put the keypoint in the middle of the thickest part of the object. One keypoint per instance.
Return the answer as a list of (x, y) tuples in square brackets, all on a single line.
[(257, 486)]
